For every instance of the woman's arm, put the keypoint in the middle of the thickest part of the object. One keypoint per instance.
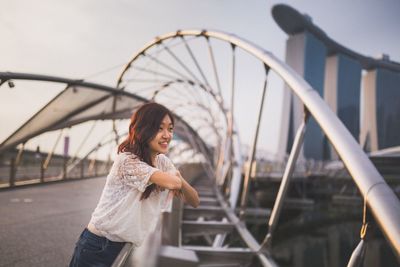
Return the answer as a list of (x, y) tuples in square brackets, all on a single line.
[(190, 194), (166, 180)]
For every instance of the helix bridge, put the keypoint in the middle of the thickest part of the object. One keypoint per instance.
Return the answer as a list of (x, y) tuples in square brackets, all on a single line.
[(255, 209)]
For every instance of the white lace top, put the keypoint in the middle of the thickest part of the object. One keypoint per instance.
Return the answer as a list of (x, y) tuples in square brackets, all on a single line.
[(120, 215)]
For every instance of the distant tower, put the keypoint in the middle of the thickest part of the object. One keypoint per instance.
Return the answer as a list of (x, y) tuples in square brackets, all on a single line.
[(306, 55), (336, 72), (381, 98), (342, 91)]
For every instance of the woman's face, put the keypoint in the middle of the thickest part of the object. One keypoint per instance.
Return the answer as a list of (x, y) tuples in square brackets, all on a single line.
[(159, 144)]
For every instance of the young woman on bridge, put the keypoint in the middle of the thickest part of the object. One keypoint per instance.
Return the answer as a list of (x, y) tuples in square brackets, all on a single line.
[(132, 197)]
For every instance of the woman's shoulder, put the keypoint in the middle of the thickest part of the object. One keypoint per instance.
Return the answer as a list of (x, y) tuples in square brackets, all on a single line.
[(126, 154), (130, 163), (125, 157), (164, 162)]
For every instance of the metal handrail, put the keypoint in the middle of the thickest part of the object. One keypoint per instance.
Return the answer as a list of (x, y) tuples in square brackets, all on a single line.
[(149, 250), (123, 255), (382, 201)]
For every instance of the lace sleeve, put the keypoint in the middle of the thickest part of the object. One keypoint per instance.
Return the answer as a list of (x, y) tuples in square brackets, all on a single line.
[(136, 173), (166, 164)]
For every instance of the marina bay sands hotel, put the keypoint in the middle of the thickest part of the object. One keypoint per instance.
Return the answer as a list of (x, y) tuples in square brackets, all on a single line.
[(364, 92)]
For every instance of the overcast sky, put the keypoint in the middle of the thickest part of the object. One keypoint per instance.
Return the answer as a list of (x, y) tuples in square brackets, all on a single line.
[(76, 39)]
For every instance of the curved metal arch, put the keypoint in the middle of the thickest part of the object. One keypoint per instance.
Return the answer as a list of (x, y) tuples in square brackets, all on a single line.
[(199, 105), (6, 76), (212, 124), (383, 203), (217, 98)]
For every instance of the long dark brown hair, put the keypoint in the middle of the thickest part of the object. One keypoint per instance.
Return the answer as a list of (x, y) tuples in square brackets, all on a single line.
[(144, 126)]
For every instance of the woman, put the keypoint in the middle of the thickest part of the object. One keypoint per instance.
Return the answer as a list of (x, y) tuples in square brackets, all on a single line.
[(132, 196)]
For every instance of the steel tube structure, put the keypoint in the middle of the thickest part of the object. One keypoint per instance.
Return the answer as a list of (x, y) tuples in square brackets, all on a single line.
[(253, 152), (294, 153), (382, 201)]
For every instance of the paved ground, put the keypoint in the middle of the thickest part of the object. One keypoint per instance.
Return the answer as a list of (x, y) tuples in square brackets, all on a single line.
[(40, 224)]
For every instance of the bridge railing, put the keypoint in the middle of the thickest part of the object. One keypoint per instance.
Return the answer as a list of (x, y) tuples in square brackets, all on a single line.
[(31, 168)]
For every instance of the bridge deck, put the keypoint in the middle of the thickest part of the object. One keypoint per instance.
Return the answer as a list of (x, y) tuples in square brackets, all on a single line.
[(39, 225)]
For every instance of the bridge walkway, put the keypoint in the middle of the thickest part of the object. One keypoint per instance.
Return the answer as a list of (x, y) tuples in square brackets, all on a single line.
[(40, 224)]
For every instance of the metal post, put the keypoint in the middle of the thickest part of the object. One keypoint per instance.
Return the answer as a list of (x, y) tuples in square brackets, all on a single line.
[(95, 167), (171, 228), (42, 169), (294, 153), (18, 159), (211, 53), (50, 154), (64, 175), (232, 105), (65, 154), (12, 172), (82, 167), (253, 150), (231, 120)]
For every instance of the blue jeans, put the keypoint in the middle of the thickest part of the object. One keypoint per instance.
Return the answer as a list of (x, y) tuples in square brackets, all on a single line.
[(93, 250)]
